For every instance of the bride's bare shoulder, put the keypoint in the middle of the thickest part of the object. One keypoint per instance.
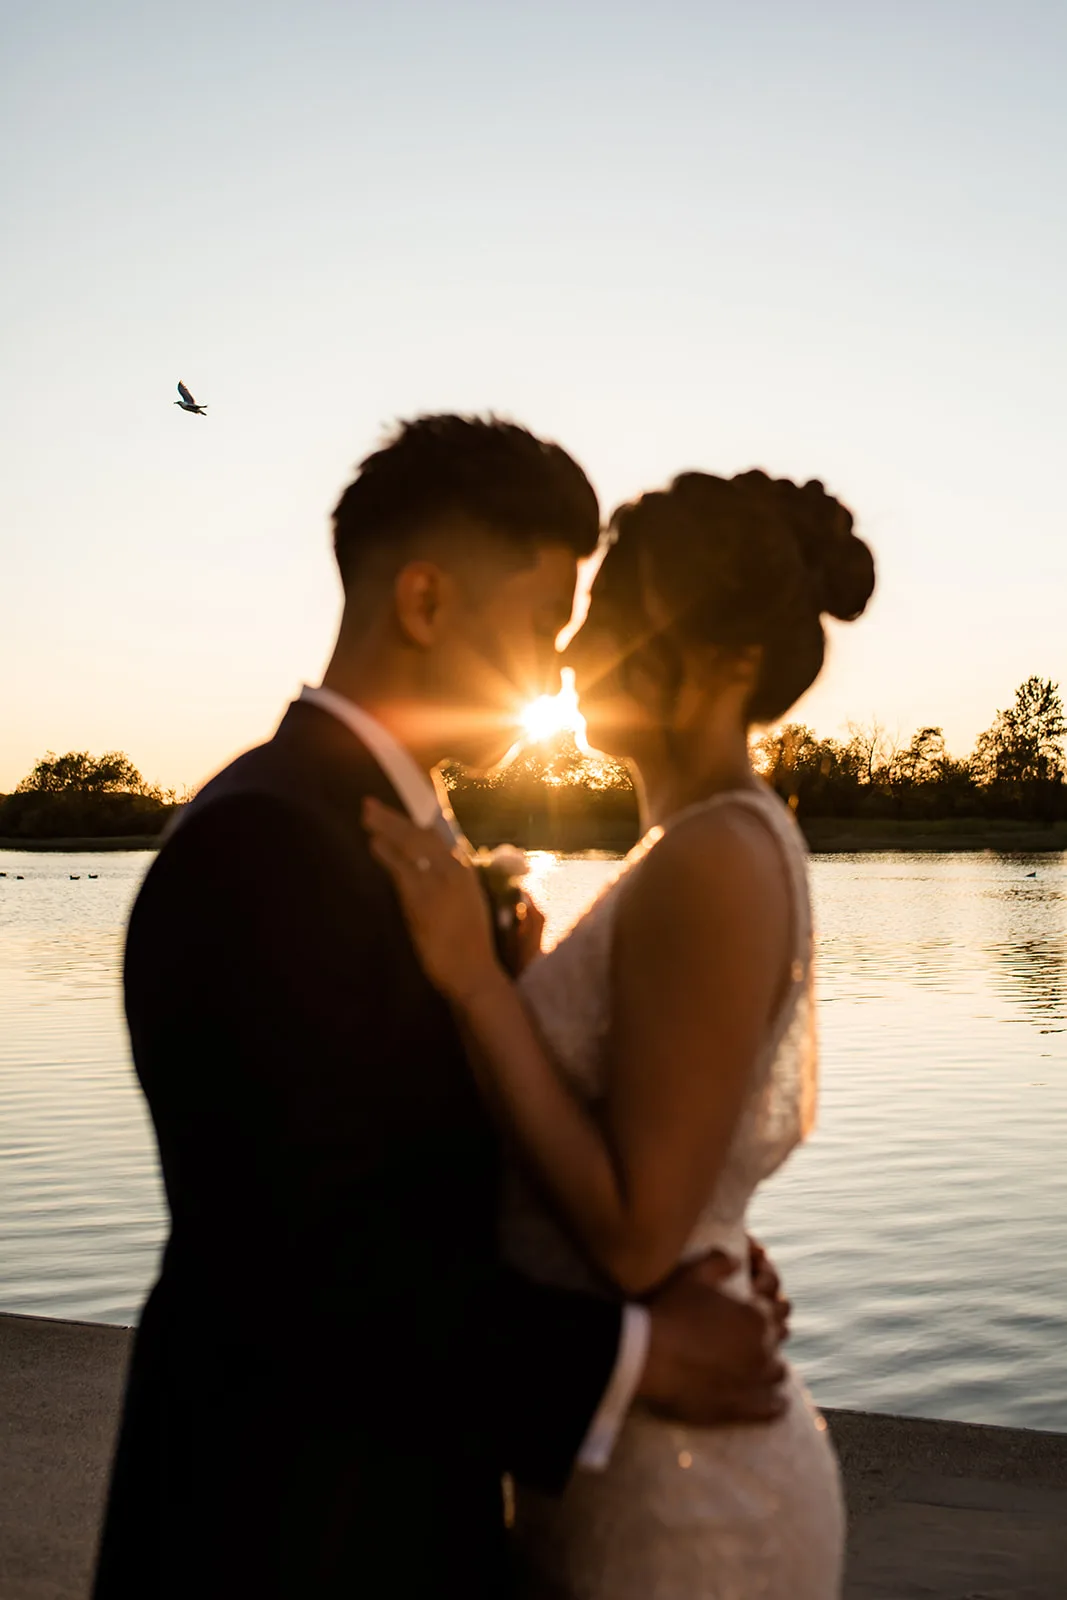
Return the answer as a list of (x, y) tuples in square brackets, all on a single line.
[(715, 860)]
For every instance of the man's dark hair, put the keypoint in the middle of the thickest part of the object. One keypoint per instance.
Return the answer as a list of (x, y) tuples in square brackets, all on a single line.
[(493, 477)]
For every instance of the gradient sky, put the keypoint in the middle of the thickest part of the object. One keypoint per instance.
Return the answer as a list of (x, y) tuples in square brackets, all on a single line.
[(826, 239)]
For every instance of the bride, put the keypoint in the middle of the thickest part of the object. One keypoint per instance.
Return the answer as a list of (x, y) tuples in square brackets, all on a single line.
[(659, 1063)]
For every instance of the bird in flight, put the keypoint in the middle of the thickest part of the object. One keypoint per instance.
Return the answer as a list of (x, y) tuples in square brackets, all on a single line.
[(187, 402)]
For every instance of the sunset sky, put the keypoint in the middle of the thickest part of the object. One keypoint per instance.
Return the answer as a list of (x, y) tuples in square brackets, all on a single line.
[(828, 239)]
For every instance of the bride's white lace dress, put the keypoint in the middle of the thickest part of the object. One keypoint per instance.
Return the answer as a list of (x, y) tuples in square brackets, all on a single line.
[(684, 1514)]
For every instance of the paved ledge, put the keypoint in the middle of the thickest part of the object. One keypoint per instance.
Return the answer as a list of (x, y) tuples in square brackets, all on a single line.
[(952, 1510), (60, 1384), (938, 1510)]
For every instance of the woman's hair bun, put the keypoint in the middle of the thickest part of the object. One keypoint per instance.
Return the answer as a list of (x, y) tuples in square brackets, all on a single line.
[(840, 564), (751, 560)]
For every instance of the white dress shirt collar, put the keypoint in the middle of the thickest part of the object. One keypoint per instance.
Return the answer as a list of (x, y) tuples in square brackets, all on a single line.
[(414, 786)]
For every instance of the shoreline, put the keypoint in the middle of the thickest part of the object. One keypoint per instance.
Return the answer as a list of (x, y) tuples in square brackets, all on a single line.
[(825, 836), (838, 836), (936, 1509), (136, 841)]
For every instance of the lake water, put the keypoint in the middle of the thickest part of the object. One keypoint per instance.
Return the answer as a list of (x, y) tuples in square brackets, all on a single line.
[(922, 1232)]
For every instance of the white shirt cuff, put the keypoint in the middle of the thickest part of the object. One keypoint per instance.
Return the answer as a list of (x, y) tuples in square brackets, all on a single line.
[(634, 1336)]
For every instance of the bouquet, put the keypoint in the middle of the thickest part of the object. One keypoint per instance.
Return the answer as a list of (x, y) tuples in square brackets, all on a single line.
[(501, 872)]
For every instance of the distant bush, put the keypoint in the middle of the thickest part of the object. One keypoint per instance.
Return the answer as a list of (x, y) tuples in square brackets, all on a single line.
[(82, 796)]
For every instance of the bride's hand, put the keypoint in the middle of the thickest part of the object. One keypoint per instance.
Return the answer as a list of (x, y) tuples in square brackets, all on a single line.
[(444, 905)]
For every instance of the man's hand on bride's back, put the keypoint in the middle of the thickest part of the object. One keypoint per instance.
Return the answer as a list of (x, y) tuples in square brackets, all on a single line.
[(767, 1285), (713, 1359)]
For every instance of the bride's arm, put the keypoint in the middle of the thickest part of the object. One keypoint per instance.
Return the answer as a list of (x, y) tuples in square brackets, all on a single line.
[(698, 955)]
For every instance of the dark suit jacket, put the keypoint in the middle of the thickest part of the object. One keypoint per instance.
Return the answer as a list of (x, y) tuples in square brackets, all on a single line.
[(334, 1367)]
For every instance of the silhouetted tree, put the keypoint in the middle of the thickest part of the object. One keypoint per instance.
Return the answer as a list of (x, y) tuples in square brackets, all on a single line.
[(1019, 763), (819, 777), (552, 796), (1018, 769), (923, 760), (871, 747), (78, 795), (1025, 744), (113, 773)]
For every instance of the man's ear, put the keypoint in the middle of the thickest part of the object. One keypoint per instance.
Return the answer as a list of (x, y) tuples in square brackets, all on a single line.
[(419, 597)]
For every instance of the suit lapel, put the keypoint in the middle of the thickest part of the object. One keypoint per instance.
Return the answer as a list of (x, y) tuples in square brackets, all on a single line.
[(332, 759)]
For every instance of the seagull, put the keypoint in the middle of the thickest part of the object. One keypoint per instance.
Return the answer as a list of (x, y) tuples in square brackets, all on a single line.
[(187, 402)]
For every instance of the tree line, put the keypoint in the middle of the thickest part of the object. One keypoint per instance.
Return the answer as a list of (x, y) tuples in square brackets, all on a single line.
[(554, 795), (1017, 769), (80, 796)]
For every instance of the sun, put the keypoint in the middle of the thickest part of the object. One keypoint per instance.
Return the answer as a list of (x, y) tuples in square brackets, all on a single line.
[(545, 717), (555, 713)]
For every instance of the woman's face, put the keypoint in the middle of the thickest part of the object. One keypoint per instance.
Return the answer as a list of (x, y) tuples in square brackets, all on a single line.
[(636, 678), (616, 657)]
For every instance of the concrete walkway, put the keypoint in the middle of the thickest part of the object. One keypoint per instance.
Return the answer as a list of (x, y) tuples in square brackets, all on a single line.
[(938, 1510)]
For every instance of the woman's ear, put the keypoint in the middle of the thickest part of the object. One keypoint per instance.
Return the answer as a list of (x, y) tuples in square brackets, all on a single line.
[(418, 600)]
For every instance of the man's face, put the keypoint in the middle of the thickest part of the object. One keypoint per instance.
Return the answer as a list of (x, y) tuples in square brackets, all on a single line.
[(497, 652)]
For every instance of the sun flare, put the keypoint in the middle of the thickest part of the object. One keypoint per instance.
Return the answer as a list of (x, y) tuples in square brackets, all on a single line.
[(555, 713)]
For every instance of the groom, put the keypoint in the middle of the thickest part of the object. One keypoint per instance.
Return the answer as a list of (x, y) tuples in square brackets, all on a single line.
[(335, 1368)]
